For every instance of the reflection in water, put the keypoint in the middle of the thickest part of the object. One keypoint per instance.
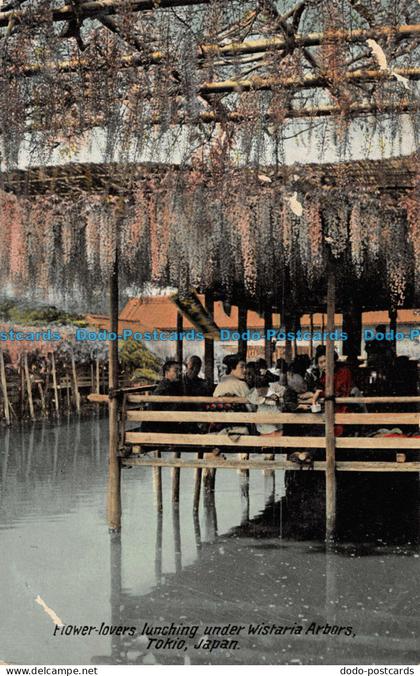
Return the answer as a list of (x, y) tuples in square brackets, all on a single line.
[(253, 553)]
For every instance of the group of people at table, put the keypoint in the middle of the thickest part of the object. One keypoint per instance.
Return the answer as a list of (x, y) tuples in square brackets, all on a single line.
[(285, 388)]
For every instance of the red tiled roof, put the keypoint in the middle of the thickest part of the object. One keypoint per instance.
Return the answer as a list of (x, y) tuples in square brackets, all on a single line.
[(158, 312)]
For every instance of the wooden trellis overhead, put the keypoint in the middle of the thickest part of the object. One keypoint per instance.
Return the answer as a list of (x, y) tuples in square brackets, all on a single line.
[(233, 71), (393, 175), (252, 236)]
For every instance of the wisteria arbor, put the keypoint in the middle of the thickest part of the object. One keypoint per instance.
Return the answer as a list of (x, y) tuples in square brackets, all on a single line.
[(226, 82), (230, 81)]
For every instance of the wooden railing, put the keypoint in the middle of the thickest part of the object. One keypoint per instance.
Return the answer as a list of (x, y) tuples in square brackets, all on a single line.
[(138, 440)]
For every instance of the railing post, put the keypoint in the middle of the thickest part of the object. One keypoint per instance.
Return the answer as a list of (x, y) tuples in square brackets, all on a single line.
[(114, 466), (4, 389), (330, 477)]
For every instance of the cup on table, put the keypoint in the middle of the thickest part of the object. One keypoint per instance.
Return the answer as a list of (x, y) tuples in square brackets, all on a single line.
[(316, 408)]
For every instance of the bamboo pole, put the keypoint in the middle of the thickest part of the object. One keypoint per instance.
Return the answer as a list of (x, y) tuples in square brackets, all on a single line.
[(114, 467), (54, 376), (401, 107), (93, 8), (42, 398), (330, 477), (92, 378), (98, 376), (75, 383), (4, 389), (234, 48), (68, 392), (28, 385)]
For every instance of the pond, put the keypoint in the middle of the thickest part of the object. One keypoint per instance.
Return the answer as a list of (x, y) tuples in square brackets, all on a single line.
[(248, 580)]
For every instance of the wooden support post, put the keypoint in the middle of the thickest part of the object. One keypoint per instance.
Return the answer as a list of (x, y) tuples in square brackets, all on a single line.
[(4, 389), (42, 399), (157, 484), (296, 327), (114, 466), (393, 326), (177, 538), (209, 344), (98, 375), (28, 385), (175, 480), (68, 392), (54, 376), (158, 547), (288, 343), (268, 325), (116, 587), (21, 388), (75, 383), (242, 327), (179, 343), (330, 476), (197, 484), (311, 330), (352, 325), (92, 378)]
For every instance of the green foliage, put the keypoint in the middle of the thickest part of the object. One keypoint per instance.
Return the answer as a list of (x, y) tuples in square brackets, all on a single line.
[(136, 359), (13, 311)]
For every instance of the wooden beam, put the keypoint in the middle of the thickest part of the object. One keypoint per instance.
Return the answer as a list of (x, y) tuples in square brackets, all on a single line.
[(394, 443), (221, 416), (153, 398), (378, 400), (217, 462), (330, 482), (215, 440), (95, 8), (114, 468), (220, 463), (274, 418)]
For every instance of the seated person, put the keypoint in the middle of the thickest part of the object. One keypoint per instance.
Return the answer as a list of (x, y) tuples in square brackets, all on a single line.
[(262, 370), (233, 385), (193, 385), (343, 384), (169, 386)]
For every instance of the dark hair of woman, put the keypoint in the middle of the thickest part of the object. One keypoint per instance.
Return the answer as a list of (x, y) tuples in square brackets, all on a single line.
[(231, 361)]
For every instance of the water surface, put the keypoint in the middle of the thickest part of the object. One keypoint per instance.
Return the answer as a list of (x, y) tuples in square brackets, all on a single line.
[(252, 556)]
